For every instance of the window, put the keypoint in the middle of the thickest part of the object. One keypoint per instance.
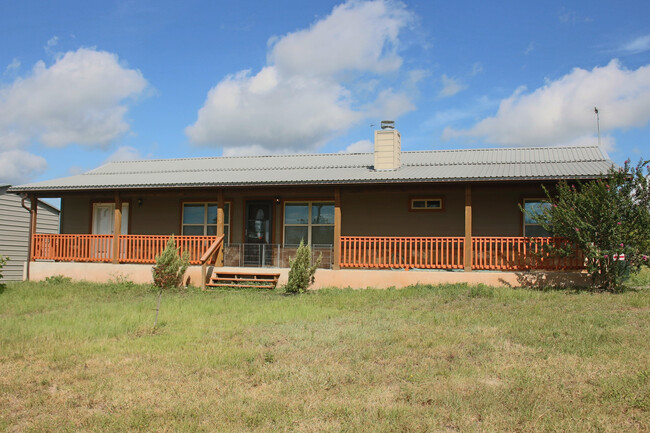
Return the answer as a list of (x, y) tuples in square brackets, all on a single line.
[(425, 204), (200, 219), (534, 207), (312, 222)]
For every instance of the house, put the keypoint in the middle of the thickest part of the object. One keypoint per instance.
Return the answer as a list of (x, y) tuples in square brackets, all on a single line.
[(14, 231), (417, 210)]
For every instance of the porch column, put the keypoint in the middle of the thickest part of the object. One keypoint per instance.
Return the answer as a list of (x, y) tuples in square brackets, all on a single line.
[(117, 229), (337, 228), (220, 225), (468, 228)]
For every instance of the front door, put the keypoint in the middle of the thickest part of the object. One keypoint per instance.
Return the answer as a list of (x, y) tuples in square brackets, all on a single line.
[(259, 224)]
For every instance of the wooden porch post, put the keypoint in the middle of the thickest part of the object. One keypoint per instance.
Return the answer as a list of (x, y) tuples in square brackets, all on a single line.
[(468, 228), (117, 229), (337, 228), (220, 225)]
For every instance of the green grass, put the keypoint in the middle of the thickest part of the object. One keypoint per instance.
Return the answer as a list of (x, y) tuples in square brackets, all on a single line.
[(84, 357)]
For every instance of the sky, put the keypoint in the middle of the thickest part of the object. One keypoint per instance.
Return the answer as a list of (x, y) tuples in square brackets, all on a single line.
[(86, 82)]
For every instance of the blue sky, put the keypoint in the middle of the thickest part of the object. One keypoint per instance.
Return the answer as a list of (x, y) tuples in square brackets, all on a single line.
[(85, 82)]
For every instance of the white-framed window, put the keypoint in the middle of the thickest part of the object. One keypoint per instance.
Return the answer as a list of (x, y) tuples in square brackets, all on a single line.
[(310, 221), (534, 206), (200, 219), (425, 203)]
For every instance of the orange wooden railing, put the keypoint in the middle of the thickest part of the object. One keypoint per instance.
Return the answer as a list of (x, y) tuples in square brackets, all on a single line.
[(519, 253), (145, 248), (99, 248), (402, 252), (78, 248)]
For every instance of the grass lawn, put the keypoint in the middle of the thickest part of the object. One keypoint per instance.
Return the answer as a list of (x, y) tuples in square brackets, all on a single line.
[(84, 357)]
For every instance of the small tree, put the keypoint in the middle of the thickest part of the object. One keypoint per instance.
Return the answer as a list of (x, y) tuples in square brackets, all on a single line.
[(608, 219), (169, 270), (302, 271)]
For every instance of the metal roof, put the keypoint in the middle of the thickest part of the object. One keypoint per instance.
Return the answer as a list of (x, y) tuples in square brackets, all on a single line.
[(539, 163)]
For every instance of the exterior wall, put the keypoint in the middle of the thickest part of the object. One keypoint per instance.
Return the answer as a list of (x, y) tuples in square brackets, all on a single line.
[(359, 279), (14, 231), (386, 212), (366, 210), (495, 208)]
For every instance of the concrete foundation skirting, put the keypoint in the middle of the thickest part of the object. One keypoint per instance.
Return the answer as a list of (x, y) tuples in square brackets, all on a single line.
[(355, 278)]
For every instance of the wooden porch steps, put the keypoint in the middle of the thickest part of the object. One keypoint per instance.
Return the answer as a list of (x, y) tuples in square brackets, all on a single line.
[(261, 280)]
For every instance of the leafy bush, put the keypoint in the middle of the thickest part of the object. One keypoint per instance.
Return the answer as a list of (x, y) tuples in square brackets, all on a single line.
[(608, 219), (57, 279), (302, 271), (3, 261), (170, 267)]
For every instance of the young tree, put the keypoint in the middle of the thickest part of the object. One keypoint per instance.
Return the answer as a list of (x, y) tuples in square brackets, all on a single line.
[(302, 271), (608, 219), (169, 270)]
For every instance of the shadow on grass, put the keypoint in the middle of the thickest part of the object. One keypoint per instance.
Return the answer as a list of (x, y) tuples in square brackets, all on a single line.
[(548, 281), (570, 282), (3, 287)]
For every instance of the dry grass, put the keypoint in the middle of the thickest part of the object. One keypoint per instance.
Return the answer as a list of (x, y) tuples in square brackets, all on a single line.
[(83, 357)]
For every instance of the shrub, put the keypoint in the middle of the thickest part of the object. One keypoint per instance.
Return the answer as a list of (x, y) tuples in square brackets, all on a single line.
[(3, 261), (608, 219), (169, 270), (302, 271), (170, 267), (57, 279)]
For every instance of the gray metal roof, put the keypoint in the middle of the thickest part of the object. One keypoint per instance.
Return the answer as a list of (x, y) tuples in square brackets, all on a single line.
[(540, 163)]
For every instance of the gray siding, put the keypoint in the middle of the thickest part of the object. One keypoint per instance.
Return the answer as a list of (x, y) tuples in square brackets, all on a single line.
[(14, 232)]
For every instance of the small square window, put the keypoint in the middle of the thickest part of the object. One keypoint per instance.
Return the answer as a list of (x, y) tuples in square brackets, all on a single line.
[(425, 204)]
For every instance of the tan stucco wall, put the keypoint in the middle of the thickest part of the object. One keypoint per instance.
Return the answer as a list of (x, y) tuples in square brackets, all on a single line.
[(361, 279), (366, 210)]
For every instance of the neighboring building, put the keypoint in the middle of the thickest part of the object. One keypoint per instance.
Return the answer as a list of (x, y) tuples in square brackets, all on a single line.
[(444, 209), (14, 231)]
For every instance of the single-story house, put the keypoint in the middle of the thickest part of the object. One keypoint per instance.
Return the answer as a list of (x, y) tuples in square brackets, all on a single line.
[(14, 230), (388, 209)]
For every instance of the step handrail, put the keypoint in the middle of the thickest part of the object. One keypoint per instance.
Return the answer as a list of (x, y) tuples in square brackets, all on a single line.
[(208, 256)]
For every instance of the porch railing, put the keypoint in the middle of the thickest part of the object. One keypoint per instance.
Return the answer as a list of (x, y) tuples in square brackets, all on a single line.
[(99, 248), (402, 252), (520, 253), (488, 253)]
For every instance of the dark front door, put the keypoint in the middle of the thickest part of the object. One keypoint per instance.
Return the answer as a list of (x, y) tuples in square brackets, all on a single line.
[(258, 250)]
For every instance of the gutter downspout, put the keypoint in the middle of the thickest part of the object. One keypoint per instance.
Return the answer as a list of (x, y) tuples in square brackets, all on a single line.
[(29, 238)]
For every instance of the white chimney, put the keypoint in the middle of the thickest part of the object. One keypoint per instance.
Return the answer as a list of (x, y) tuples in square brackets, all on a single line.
[(387, 147)]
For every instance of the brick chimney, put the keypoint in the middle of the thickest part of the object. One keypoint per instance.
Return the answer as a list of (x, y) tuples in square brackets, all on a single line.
[(387, 147)]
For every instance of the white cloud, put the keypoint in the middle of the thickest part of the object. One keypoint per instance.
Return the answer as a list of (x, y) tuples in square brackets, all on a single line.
[(638, 45), (363, 146), (124, 153), (78, 99), (563, 110), (529, 49), (300, 99), (18, 166), (13, 66), (359, 36), (450, 86)]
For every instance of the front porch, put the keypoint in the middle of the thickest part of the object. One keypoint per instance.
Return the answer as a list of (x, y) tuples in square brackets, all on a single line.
[(466, 228), (355, 252)]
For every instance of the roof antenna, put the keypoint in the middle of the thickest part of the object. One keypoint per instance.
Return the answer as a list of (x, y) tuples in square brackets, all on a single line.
[(597, 123)]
